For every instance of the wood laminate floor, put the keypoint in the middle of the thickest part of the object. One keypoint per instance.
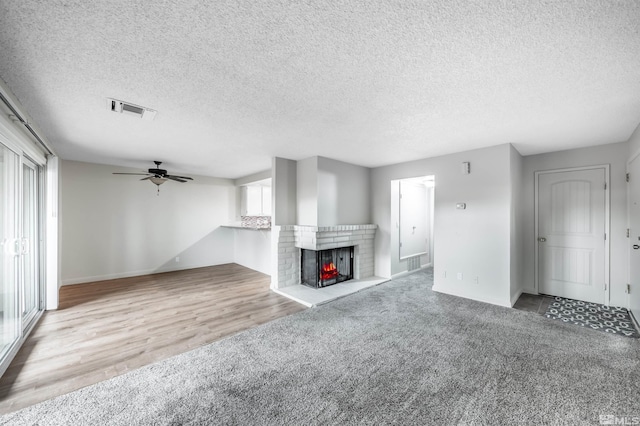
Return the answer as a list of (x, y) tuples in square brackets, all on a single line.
[(107, 328)]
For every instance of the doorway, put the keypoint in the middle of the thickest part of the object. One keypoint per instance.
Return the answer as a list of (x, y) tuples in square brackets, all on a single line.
[(21, 289), (412, 204), (572, 228), (633, 177)]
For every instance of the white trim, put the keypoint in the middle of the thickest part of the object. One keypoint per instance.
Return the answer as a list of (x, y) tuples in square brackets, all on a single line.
[(500, 302), (536, 287), (607, 230), (130, 274), (12, 103), (405, 273), (414, 255), (607, 223), (51, 229), (16, 140), (21, 143), (633, 157), (628, 192)]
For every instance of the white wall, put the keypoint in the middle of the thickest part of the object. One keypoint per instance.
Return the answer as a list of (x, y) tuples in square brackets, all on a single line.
[(634, 142), (614, 154), (307, 192), (283, 191), (399, 266), (53, 279), (284, 205), (115, 226), (634, 151), (331, 192), (241, 191), (475, 241), (343, 193), (517, 224), (254, 177), (252, 248)]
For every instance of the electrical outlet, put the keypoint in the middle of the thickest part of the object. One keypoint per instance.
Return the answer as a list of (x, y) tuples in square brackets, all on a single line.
[(177, 259), (444, 274), (476, 280), (459, 276)]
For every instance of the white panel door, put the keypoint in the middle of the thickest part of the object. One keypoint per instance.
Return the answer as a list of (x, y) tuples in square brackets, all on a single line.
[(634, 235), (571, 234)]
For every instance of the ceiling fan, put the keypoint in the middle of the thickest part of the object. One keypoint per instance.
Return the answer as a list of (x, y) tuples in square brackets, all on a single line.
[(158, 176)]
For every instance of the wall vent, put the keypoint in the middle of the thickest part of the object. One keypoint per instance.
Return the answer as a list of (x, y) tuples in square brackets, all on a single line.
[(115, 105), (413, 263)]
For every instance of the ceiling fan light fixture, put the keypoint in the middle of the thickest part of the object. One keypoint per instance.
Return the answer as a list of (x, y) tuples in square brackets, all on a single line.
[(158, 176), (158, 180)]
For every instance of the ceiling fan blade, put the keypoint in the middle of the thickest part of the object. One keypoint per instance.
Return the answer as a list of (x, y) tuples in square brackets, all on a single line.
[(137, 174), (179, 177), (176, 178), (147, 178)]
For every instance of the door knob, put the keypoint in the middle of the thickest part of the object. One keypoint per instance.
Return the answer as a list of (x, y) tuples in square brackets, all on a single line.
[(636, 247), (542, 239)]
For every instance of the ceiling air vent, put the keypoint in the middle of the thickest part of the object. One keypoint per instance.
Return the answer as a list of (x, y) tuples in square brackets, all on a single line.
[(115, 105)]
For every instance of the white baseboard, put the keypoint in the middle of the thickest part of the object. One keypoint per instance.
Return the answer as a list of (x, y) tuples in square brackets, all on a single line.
[(129, 274), (405, 273), (499, 302)]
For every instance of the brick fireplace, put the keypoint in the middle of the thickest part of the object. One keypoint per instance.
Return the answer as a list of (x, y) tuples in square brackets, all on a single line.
[(290, 239), (322, 268)]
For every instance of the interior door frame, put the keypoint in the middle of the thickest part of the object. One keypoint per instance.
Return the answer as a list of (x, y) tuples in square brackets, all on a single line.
[(607, 222), (634, 156)]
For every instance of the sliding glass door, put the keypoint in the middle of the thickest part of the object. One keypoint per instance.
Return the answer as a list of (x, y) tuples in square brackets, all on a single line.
[(29, 279), (9, 221), (20, 235)]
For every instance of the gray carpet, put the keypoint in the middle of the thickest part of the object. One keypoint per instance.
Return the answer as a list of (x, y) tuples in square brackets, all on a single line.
[(394, 354)]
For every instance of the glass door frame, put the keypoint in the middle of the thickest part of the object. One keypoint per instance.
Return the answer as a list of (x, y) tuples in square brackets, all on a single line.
[(24, 324), (11, 322), (31, 247)]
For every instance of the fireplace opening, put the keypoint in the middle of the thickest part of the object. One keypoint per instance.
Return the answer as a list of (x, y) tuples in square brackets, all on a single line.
[(323, 268)]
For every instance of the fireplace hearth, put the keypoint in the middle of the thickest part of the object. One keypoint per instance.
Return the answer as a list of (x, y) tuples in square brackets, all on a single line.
[(322, 268)]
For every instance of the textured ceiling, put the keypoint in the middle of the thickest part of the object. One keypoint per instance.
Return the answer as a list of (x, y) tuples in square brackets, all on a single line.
[(368, 82)]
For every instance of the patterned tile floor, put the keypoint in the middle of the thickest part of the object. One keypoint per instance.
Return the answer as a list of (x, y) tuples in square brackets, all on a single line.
[(609, 319), (585, 314)]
